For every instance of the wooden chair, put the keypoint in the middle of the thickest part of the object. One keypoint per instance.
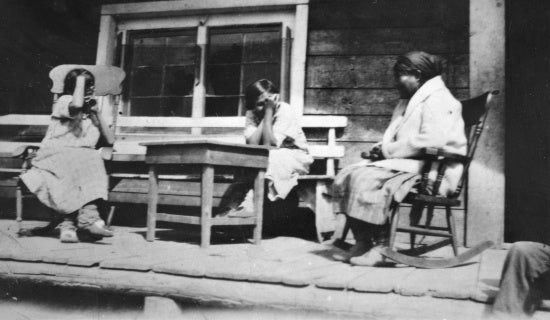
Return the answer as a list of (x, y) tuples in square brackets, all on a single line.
[(474, 112), (14, 160), (108, 80)]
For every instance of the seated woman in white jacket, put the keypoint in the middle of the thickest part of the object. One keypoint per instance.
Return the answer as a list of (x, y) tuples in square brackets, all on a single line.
[(427, 116)]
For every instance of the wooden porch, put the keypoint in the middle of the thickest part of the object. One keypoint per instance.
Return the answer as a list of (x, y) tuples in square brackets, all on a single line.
[(283, 272)]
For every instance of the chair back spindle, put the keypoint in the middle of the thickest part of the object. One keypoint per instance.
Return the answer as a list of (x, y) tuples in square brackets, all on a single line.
[(474, 113)]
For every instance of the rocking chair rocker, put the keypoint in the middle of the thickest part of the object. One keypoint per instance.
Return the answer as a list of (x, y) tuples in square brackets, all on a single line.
[(474, 112)]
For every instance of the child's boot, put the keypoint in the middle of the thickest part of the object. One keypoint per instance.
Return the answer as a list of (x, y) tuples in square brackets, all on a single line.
[(90, 222), (67, 231)]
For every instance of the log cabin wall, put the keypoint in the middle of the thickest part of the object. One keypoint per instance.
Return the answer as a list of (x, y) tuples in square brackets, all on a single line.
[(352, 46)]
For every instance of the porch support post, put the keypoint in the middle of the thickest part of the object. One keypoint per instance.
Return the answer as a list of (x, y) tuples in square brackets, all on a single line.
[(106, 43), (485, 206), (106, 48), (298, 60)]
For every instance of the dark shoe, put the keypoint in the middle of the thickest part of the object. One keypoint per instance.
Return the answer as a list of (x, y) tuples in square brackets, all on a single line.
[(356, 250), (244, 210), (86, 236)]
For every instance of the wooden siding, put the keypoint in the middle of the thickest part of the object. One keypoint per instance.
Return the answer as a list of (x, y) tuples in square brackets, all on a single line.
[(352, 46)]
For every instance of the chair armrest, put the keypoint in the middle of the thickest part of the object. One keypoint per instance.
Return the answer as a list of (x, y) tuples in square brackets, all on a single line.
[(439, 154)]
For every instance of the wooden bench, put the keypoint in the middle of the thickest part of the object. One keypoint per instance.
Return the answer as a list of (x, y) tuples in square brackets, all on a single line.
[(131, 131)]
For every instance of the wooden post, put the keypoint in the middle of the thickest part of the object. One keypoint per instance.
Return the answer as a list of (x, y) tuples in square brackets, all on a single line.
[(325, 220), (331, 170), (394, 224), (259, 205), (106, 48), (207, 194), (298, 64), (152, 203), (161, 308), (19, 205), (485, 214), (106, 43), (451, 223)]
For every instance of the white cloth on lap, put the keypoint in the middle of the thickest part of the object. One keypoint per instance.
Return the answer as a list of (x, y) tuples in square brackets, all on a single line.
[(284, 167)]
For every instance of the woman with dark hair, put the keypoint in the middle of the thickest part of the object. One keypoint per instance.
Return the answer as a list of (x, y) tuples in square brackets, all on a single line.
[(270, 122), (68, 174), (427, 115)]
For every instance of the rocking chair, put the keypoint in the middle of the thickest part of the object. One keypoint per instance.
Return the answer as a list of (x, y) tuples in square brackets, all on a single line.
[(474, 113)]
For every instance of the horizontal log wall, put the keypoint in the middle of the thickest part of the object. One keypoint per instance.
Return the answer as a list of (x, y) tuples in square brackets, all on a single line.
[(352, 46)]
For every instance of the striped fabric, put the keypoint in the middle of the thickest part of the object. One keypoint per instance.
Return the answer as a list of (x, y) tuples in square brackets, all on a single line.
[(365, 192)]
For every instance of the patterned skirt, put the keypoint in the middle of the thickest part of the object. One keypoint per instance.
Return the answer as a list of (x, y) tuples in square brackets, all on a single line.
[(66, 178), (365, 192)]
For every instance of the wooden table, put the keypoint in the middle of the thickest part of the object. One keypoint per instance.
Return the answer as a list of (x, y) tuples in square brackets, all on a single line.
[(207, 155)]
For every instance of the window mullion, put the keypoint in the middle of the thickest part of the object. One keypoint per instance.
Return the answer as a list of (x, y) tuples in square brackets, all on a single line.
[(199, 90), (124, 106), (286, 42), (241, 84)]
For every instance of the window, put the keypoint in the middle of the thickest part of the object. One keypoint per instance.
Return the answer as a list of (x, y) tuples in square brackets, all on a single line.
[(194, 58), (161, 73), (162, 68), (236, 58)]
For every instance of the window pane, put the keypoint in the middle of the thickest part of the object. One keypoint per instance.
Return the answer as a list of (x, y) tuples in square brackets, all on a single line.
[(179, 80), (148, 51), (177, 107), (180, 50), (225, 48), (262, 47), (146, 81), (216, 107), (257, 71), (145, 106), (224, 80)]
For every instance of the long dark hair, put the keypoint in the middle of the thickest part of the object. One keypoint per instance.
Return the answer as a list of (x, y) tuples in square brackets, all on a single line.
[(256, 89), (70, 81)]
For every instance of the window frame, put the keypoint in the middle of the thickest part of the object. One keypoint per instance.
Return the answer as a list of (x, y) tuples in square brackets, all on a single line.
[(118, 20)]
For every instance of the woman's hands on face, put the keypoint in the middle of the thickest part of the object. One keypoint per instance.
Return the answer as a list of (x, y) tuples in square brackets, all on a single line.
[(265, 102), (270, 102)]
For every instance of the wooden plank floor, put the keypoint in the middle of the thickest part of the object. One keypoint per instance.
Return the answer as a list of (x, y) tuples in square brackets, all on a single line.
[(279, 262)]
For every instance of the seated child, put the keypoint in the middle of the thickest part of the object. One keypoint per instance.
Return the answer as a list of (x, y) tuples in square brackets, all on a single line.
[(270, 122), (68, 174)]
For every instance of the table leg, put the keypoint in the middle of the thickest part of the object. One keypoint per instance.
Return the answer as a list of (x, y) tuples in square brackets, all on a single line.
[(19, 205), (152, 203), (207, 194), (259, 204)]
